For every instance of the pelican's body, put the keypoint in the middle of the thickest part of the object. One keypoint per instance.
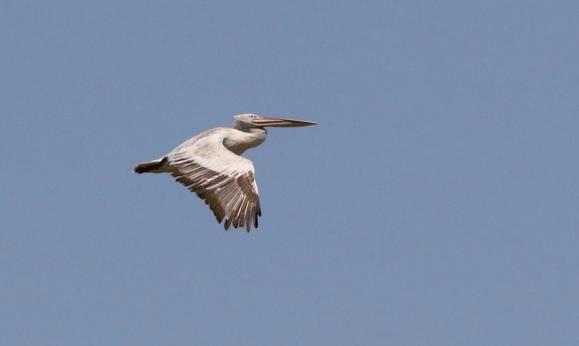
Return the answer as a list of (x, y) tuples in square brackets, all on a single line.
[(210, 165)]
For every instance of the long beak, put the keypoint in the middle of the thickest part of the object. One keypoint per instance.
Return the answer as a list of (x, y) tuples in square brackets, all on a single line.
[(276, 122)]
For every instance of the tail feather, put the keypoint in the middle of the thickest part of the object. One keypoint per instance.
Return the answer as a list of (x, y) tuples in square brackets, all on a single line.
[(151, 166)]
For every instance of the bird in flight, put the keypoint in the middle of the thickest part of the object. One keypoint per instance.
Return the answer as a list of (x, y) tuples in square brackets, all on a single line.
[(210, 164)]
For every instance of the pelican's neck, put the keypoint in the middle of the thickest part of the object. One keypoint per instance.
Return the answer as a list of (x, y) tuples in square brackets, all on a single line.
[(245, 139), (257, 135), (256, 131)]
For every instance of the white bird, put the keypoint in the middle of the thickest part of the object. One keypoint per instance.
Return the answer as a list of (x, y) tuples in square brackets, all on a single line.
[(210, 164)]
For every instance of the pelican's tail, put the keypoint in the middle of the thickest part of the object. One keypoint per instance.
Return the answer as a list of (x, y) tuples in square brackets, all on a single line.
[(151, 166)]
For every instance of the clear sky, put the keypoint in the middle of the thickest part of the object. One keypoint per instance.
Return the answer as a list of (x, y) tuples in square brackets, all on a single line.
[(436, 203)]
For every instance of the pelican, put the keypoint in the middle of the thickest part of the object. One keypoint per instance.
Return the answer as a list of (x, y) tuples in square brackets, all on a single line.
[(210, 164)]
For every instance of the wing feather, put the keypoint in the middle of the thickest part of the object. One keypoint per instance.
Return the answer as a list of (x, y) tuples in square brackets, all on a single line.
[(223, 179)]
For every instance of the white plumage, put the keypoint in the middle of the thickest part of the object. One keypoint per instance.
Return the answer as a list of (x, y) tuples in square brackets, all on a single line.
[(210, 164)]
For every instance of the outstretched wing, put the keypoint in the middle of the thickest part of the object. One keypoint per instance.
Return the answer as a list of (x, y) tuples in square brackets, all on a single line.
[(224, 180)]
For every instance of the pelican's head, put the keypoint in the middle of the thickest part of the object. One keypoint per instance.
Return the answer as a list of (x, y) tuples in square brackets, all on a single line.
[(244, 121)]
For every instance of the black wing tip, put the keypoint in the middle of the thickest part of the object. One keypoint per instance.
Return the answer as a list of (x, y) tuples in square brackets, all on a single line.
[(247, 226), (150, 166), (138, 170)]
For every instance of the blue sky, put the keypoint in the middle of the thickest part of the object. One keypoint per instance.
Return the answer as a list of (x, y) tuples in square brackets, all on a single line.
[(435, 204)]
